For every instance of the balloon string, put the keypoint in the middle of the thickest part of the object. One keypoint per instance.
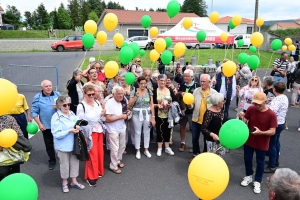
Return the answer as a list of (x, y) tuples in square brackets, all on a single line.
[(83, 56), (99, 53), (269, 63)]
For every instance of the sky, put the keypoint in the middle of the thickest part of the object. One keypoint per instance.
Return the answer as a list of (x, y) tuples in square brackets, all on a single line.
[(268, 9)]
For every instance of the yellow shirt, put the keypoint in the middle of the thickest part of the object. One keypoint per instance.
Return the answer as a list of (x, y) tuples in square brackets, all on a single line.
[(20, 107), (203, 106)]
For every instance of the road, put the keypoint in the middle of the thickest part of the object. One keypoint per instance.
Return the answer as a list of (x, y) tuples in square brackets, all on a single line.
[(157, 178)]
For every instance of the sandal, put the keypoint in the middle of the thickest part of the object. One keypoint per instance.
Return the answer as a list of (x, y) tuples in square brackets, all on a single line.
[(121, 165), (116, 171), (77, 186), (65, 188)]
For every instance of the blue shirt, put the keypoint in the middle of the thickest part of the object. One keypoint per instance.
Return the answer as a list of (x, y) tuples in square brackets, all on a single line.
[(60, 126), (42, 106)]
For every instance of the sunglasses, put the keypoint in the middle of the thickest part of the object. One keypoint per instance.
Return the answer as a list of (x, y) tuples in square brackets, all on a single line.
[(255, 80), (91, 95), (66, 105), (138, 61)]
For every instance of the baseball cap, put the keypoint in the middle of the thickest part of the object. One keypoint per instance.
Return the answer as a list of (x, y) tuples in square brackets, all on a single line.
[(259, 97)]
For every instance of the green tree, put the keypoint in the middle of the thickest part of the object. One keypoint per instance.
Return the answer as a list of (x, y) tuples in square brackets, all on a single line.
[(114, 5), (54, 19), (63, 18), (151, 9), (74, 10), (93, 16), (95, 5), (12, 16), (85, 10), (161, 10), (43, 18), (198, 7), (28, 19)]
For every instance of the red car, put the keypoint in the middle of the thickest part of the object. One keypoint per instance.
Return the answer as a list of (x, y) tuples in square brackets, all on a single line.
[(68, 43)]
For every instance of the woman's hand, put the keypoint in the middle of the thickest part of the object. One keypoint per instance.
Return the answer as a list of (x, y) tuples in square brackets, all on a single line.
[(214, 136), (75, 131), (159, 106), (77, 127), (152, 121)]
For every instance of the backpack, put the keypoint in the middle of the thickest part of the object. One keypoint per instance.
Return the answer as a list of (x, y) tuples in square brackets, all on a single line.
[(130, 67), (292, 76), (102, 123)]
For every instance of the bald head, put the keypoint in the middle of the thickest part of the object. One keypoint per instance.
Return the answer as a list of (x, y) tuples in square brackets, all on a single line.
[(46, 87), (147, 74)]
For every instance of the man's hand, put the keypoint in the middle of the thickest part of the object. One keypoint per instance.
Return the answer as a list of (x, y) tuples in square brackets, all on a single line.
[(241, 115), (124, 116), (41, 127), (257, 131)]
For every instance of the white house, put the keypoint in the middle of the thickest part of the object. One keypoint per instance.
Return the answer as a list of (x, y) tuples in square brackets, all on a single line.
[(246, 27)]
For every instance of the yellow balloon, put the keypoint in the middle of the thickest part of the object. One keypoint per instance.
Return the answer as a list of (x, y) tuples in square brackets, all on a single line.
[(8, 96), (153, 32), (111, 69), (284, 47), (187, 22), (118, 39), (160, 45), (260, 21), (288, 41), (291, 47), (154, 55), (224, 37), (188, 98), (110, 21), (237, 20), (229, 68), (179, 49), (214, 17), (208, 176), (8, 137), (257, 39), (90, 26), (101, 37)]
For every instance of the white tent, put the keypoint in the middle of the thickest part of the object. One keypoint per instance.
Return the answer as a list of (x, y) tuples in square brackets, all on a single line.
[(179, 34)]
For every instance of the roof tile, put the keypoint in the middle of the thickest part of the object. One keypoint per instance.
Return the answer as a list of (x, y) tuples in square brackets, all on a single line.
[(288, 24), (226, 19)]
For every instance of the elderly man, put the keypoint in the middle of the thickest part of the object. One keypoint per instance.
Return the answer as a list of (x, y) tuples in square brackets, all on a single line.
[(201, 103), (151, 84), (136, 68), (93, 75), (179, 76), (116, 115), (262, 123), (43, 107), (284, 185), (188, 86), (280, 66)]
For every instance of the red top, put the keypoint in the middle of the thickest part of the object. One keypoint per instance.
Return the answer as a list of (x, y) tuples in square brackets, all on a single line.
[(263, 121), (101, 77)]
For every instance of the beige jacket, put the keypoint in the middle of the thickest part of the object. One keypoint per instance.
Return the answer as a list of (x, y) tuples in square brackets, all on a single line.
[(198, 99)]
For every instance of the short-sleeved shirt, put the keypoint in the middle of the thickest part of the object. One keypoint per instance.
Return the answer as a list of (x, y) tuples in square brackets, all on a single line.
[(114, 108), (142, 102), (160, 97), (270, 94), (20, 107), (280, 105), (263, 121), (281, 66), (138, 69)]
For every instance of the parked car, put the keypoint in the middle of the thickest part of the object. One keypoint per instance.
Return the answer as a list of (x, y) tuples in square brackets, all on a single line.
[(142, 41), (200, 45), (245, 38), (68, 43)]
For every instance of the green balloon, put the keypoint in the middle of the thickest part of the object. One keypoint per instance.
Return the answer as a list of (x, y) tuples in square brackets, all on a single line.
[(88, 40), (146, 21), (243, 58), (32, 128), (126, 55), (125, 44), (201, 36), (166, 57), (240, 43), (142, 52), (233, 134), (18, 186), (253, 62), (129, 78), (252, 49), (168, 42), (173, 8), (231, 25), (276, 44), (135, 48)]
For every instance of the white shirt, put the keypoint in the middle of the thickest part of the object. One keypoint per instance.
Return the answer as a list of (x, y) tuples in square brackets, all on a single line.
[(280, 105), (114, 108), (223, 87)]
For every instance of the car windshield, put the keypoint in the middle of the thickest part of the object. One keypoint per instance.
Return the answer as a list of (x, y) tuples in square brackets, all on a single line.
[(65, 38)]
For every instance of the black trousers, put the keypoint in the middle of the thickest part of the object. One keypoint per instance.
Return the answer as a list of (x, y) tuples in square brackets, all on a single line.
[(22, 122), (8, 170), (163, 133), (48, 140), (288, 82)]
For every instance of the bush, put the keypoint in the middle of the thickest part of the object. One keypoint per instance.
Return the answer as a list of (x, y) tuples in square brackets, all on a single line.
[(286, 32)]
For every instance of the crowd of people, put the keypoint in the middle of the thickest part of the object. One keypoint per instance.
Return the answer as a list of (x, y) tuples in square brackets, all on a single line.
[(116, 114)]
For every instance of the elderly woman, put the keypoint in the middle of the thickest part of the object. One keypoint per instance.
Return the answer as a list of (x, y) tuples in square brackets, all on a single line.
[(99, 66), (268, 82), (247, 92), (123, 84), (136, 68), (75, 89), (170, 84), (154, 76), (113, 82), (123, 69), (162, 99), (91, 110), (143, 117), (212, 123), (62, 128)]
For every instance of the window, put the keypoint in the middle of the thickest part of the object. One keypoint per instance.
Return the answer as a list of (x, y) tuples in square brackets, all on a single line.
[(249, 30), (240, 37), (228, 29), (162, 31), (71, 38), (79, 38)]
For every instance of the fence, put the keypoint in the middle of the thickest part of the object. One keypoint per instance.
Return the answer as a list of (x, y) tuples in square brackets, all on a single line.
[(28, 75)]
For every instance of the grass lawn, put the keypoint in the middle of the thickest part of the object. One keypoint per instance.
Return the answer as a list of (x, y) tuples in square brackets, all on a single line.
[(202, 55), (18, 34)]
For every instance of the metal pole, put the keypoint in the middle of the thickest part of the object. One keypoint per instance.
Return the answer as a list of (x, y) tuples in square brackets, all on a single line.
[(212, 5)]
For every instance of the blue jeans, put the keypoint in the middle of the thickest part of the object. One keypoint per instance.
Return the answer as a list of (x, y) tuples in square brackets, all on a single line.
[(226, 108), (278, 79), (260, 162), (274, 146), (196, 128)]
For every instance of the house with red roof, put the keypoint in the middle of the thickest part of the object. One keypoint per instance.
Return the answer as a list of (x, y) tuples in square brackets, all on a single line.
[(246, 27), (129, 22), (1, 16), (285, 25)]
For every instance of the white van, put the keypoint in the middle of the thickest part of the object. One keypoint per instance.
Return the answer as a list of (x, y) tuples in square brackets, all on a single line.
[(245, 38)]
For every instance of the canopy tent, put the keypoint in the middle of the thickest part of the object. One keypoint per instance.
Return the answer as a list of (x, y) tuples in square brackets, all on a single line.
[(179, 34)]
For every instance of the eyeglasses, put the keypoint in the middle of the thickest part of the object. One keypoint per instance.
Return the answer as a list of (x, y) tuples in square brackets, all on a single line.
[(255, 80), (65, 105), (91, 95), (138, 61)]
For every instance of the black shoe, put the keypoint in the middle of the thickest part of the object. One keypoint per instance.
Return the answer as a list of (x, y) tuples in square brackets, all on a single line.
[(92, 183), (277, 164), (51, 165), (269, 170)]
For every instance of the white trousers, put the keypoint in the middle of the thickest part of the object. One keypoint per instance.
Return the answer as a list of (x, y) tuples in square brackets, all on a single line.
[(117, 144), (137, 127)]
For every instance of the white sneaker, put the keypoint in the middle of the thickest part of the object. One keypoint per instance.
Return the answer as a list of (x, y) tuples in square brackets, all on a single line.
[(246, 181), (138, 155), (147, 153), (159, 151), (288, 90), (256, 188), (169, 151)]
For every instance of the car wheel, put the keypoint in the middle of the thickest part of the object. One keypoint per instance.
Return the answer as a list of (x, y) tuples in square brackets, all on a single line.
[(60, 48), (83, 49), (197, 46)]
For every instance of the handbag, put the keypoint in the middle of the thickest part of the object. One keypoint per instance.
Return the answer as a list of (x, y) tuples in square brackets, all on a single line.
[(22, 144), (80, 145), (273, 71)]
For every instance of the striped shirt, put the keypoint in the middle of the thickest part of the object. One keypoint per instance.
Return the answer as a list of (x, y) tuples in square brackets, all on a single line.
[(281, 66)]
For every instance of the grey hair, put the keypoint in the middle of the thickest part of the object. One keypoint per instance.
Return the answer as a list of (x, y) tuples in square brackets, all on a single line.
[(162, 76), (61, 99), (76, 71), (269, 80), (216, 99), (117, 87), (190, 66), (146, 69), (189, 71), (285, 183), (42, 83), (207, 75), (122, 74)]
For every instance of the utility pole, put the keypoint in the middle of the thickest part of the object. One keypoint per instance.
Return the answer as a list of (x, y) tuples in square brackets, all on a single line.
[(255, 15), (212, 5)]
